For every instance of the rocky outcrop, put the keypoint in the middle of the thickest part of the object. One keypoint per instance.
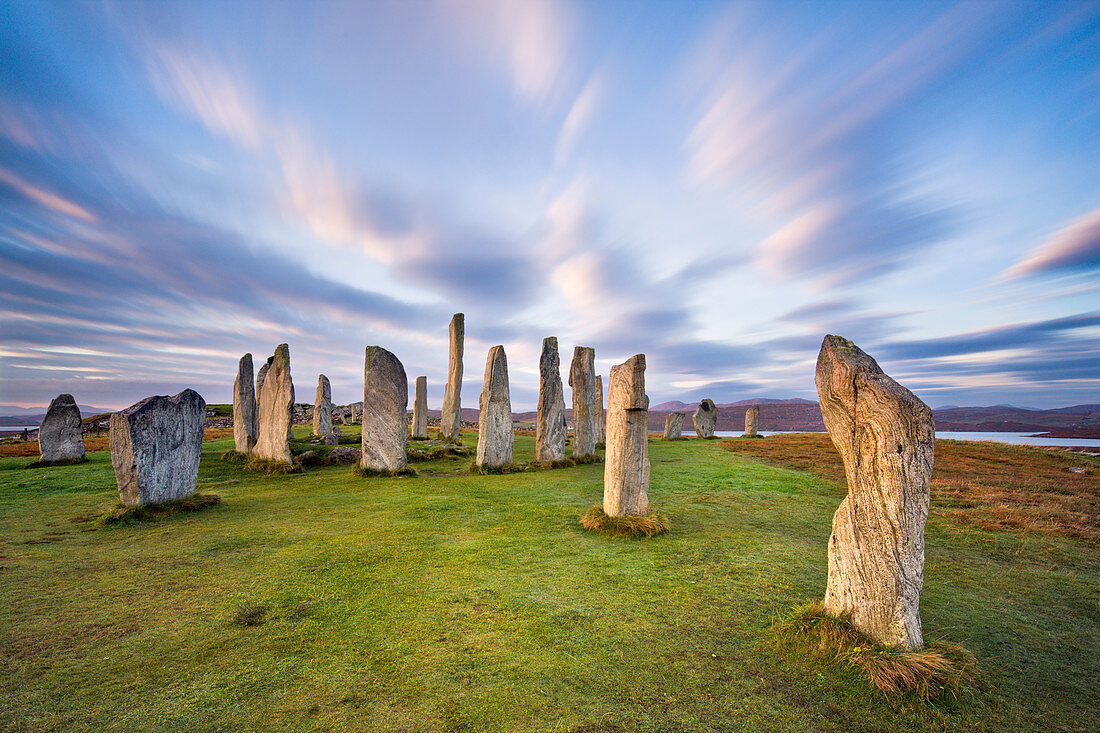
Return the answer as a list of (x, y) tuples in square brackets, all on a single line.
[(451, 417), (322, 408), (752, 422), (420, 409), (550, 420), (155, 448), (61, 432), (275, 408), (494, 438), (385, 411), (886, 438), (244, 407), (705, 418), (674, 426), (582, 378), (626, 466)]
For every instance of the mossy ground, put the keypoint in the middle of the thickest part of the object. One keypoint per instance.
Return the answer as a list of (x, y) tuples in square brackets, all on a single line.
[(320, 601)]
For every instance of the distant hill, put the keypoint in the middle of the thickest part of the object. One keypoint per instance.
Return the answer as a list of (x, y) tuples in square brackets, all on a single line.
[(15, 415)]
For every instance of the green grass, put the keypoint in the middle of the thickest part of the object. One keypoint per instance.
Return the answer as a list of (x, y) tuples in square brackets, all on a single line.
[(478, 603)]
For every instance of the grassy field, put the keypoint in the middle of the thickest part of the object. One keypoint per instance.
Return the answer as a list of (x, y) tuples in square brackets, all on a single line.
[(449, 602)]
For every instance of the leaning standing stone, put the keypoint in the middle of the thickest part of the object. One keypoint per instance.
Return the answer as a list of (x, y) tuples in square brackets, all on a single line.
[(550, 425), (582, 378), (494, 437), (385, 412), (626, 467), (61, 433), (705, 418), (674, 426), (155, 448), (752, 421), (244, 407), (420, 409), (275, 408), (450, 421), (886, 438), (322, 408), (601, 421)]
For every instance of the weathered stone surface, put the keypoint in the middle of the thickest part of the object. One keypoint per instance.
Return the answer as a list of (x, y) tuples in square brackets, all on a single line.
[(155, 448), (601, 419), (450, 421), (752, 421), (582, 378), (275, 408), (322, 408), (886, 438), (550, 424), (705, 418), (494, 437), (261, 375), (674, 426), (420, 409), (61, 433), (626, 466), (244, 407), (345, 454), (385, 411)]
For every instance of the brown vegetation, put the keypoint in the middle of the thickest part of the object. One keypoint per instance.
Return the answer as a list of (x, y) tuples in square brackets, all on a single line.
[(92, 443), (636, 526)]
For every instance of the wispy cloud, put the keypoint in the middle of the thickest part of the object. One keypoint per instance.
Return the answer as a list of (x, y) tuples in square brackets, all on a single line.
[(1075, 248)]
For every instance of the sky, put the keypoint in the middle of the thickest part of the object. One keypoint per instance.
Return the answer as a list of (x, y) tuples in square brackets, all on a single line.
[(714, 185)]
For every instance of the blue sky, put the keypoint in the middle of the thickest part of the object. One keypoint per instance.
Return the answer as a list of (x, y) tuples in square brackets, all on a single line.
[(715, 185)]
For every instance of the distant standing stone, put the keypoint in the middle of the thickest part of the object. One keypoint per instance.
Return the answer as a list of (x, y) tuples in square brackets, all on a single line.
[(674, 426), (582, 378), (550, 424), (705, 418), (886, 438), (155, 448), (752, 421), (420, 409), (494, 438), (275, 408), (601, 421), (322, 408), (385, 411), (450, 421), (61, 433), (626, 466), (244, 407)]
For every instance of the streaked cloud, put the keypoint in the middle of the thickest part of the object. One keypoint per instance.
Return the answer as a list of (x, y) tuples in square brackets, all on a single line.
[(1075, 248)]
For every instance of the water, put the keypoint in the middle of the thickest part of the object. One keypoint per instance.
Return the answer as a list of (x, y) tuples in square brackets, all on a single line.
[(1011, 438)]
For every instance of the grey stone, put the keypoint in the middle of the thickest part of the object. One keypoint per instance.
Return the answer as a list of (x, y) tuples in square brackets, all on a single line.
[(261, 375), (322, 408), (582, 378), (494, 437), (626, 466), (244, 407), (674, 426), (345, 454), (450, 421), (275, 409), (886, 438), (705, 418), (155, 448), (752, 421), (550, 424), (385, 411), (601, 418), (61, 432), (420, 409)]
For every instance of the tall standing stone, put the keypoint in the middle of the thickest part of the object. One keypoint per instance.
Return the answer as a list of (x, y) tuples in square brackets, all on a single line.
[(582, 378), (450, 421), (674, 426), (494, 436), (626, 467), (261, 375), (322, 408), (420, 409), (886, 438), (550, 425), (155, 448), (601, 421), (61, 433), (275, 408), (385, 411), (705, 418), (244, 407), (752, 421)]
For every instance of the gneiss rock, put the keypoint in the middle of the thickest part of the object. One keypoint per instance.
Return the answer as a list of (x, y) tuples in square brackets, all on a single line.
[(626, 467), (244, 407), (674, 426), (582, 378), (601, 421), (420, 409), (886, 438), (322, 408), (261, 376), (385, 413), (494, 438), (450, 421), (752, 421), (61, 433), (550, 425), (275, 408), (705, 418), (155, 448)]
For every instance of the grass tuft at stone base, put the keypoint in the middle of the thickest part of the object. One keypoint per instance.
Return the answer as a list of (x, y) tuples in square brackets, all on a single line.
[(122, 514), (263, 465), (552, 465), (234, 456), (364, 472), (636, 526), (590, 458), (499, 470), (66, 462)]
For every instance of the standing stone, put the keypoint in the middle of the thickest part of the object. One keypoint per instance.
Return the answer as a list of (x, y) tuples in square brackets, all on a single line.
[(600, 418), (705, 418), (450, 421), (244, 407), (550, 427), (155, 448), (494, 436), (752, 421), (322, 408), (275, 408), (626, 467), (385, 411), (61, 433), (582, 378), (674, 426), (420, 409), (260, 377), (887, 440)]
